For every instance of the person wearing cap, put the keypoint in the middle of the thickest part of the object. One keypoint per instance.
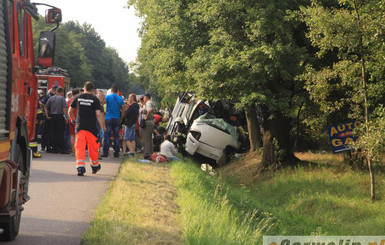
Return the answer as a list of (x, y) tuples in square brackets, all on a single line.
[(148, 117)]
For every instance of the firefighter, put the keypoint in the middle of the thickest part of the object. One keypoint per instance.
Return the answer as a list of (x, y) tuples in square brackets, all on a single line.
[(39, 131), (181, 136), (88, 113)]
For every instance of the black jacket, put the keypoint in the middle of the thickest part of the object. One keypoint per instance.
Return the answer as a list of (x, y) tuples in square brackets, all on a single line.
[(131, 114)]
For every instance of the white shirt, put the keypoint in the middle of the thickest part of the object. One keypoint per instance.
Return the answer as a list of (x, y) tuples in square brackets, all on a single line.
[(168, 149)]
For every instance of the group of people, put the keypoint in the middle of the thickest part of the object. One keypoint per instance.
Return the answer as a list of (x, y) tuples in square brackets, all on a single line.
[(89, 119)]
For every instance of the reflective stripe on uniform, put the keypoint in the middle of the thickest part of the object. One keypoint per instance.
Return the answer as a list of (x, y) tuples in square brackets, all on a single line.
[(80, 163), (95, 163)]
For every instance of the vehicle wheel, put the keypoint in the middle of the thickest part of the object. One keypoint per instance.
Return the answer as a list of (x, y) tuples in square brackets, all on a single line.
[(223, 159), (11, 229), (227, 153)]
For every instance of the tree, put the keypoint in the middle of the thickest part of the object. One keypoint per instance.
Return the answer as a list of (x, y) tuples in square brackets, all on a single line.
[(255, 53), (245, 51), (83, 53), (352, 31)]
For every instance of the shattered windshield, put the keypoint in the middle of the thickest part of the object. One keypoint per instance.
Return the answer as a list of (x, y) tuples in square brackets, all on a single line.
[(220, 124)]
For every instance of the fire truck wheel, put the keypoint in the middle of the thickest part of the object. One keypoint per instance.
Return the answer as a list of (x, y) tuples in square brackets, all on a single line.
[(11, 228)]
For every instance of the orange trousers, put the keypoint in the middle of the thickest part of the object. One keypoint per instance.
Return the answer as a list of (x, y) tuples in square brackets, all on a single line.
[(85, 138)]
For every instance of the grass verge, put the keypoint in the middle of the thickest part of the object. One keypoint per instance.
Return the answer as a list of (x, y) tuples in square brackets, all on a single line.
[(325, 199), (238, 206), (138, 208), (213, 213)]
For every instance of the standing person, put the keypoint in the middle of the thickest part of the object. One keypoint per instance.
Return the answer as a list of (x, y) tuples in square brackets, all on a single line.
[(130, 119), (101, 96), (114, 110), (148, 117), (72, 123), (69, 96), (56, 111), (45, 141), (67, 135), (88, 114)]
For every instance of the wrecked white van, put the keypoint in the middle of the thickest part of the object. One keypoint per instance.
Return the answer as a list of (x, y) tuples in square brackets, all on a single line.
[(213, 138), (205, 133)]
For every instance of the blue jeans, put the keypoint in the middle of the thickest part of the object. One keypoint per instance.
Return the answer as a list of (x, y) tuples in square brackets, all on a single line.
[(111, 124), (174, 158)]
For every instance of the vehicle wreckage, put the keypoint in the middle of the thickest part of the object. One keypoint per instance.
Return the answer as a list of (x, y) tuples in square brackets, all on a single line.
[(214, 130)]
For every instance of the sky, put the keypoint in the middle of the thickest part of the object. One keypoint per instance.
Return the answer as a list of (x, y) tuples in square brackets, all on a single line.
[(116, 25)]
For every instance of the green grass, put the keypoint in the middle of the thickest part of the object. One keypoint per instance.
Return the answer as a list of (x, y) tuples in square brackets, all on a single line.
[(328, 199), (212, 213), (180, 204), (319, 200), (137, 209)]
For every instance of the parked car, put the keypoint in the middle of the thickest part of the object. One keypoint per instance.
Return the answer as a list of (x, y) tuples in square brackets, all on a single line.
[(210, 129)]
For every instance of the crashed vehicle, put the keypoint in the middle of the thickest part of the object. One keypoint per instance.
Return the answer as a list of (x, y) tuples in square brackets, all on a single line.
[(214, 130)]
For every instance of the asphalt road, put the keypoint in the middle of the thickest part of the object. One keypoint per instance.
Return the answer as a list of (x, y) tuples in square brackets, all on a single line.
[(62, 204)]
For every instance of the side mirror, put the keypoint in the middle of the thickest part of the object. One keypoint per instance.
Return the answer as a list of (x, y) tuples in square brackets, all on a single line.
[(53, 16), (46, 48)]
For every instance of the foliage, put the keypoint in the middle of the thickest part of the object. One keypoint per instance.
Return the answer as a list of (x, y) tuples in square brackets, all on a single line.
[(335, 82), (248, 52), (240, 50), (83, 53), (371, 142)]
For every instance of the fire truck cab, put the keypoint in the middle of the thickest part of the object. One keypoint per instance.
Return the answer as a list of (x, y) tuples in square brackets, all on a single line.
[(18, 97)]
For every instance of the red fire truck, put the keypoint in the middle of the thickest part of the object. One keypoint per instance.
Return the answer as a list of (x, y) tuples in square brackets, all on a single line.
[(49, 77), (18, 102)]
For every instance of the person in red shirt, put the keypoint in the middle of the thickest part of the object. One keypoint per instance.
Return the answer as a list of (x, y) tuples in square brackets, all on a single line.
[(71, 122), (157, 119)]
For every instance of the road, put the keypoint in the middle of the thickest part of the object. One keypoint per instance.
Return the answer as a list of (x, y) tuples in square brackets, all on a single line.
[(62, 204)]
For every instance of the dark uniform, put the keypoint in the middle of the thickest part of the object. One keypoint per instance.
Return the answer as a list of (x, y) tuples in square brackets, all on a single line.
[(55, 107)]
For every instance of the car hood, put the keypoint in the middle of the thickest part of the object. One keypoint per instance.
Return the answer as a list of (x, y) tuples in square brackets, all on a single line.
[(220, 124)]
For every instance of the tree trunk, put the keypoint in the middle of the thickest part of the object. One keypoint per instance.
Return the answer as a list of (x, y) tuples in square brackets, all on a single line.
[(364, 86), (269, 157), (372, 183), (255, 136), (278, 129)]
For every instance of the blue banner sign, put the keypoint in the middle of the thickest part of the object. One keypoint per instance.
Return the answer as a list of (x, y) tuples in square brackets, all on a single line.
[(341, 136)]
